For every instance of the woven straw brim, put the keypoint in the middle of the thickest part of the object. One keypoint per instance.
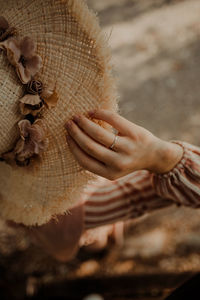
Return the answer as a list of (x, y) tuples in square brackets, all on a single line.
[(76, 57)]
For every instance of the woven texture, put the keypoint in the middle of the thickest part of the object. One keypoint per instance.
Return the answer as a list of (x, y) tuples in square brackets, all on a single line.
[(75, 57)]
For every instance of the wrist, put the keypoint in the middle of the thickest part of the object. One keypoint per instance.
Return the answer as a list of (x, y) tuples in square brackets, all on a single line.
[(166, 156)]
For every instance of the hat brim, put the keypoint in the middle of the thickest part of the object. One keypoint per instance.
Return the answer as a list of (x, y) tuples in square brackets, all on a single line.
[(76, 59)]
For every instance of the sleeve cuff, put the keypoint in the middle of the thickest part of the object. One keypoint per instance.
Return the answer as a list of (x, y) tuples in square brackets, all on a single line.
[(182, 183)]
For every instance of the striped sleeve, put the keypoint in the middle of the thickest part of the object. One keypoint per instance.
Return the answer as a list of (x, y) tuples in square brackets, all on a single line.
[(182, 184), (125, 198), (142, 191)]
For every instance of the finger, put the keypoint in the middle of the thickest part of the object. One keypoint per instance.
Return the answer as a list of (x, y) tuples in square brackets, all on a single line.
[(86, 161), (89, 146), (96, 132), (117, 121)]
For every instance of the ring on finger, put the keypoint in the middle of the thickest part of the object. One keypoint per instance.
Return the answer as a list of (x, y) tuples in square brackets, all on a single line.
[(114, 142)]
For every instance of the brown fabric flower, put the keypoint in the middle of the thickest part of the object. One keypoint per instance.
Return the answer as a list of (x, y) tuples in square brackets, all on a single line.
[(49, 95), (31, 104), (32, 140), (5, 30), (3, 25), (34, 87), (21, 54)]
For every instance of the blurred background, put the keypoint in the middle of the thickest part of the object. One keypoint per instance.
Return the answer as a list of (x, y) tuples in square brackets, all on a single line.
[(155, 47)]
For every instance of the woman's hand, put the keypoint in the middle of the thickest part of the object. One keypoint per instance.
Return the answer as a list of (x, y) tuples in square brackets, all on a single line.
[(135, 149)]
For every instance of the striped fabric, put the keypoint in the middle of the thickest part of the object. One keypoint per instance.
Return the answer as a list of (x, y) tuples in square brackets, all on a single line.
[(182, 184), (140, 192)]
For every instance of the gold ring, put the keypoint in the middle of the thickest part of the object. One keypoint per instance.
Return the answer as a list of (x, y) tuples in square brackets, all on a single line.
[(114, 142)]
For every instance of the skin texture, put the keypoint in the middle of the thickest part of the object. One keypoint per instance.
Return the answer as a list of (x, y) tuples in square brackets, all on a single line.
[(135, 149)]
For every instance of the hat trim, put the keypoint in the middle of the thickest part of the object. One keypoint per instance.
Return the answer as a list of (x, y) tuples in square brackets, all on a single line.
[(32, 141)]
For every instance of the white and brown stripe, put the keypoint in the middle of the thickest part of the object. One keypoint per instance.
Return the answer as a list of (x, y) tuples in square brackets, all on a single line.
[(141, 191)]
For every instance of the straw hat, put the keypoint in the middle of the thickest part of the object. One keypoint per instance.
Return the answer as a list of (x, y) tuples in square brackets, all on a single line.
[(76, 63)]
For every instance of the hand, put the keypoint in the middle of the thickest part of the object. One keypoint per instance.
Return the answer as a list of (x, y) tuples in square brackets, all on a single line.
[(136, 148)]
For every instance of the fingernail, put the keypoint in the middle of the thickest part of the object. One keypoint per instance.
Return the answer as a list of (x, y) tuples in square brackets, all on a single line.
[(68, 124), (91, 112), (76, 118)]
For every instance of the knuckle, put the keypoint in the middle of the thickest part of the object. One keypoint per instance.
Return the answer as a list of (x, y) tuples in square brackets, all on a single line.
[(113, 162), (99, 136), (111, 176), (88, 148), (119, 165), (122, 166), (128, 145), (130, 148)]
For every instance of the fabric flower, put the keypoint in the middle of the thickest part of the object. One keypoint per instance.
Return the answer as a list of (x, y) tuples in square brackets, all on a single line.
[(21, 54), (31, 104), (5, 30), (49, 95), (34, 87), (32, 140), (3, 25)]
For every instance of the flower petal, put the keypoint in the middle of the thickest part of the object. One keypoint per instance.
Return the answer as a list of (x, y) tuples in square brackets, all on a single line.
[(5, 34), (11, 46), (52, 100), (24, 127), (24, 110), (48, 90), (30, 104), (9, 157), (23, 74), (27, 47), (3, 23), (35, 140), (49, 95), (34, 87), (19, 146), (27, 110), (34, 64), (37, 133), (30, 99), (23, 150)]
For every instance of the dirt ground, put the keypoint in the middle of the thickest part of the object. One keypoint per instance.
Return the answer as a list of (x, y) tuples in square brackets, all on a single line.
[(155, 48)]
